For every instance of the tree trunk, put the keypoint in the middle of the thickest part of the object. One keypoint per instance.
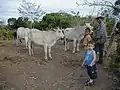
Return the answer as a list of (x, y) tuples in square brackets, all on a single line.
[(118, 44)]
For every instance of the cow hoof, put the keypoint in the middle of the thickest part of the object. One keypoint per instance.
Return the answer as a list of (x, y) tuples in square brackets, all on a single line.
[(65, 50), (50, 58), (73, 52), (78, 50), (46, 59), (32, 53), (68, 49), (29, 54)]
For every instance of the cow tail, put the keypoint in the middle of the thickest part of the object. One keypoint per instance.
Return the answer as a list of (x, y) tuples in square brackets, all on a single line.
[(15, 35)]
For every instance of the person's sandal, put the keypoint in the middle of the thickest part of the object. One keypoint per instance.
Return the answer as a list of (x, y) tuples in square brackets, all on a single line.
[(86, 82), (89, 83)]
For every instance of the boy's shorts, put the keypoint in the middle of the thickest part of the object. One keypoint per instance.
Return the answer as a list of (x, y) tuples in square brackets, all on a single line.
[(92, 71)]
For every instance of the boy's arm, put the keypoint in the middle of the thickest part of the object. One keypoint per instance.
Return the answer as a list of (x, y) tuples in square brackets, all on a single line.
[(84, 59), (84, 40), (89, 38), (83, 62)]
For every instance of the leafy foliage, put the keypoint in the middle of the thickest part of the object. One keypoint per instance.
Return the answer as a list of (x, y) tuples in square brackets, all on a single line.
[(117, 8), (6, 34), (54, 20), (109, 24), (115, 63), (30, 10), (51, 20), (12, 23)]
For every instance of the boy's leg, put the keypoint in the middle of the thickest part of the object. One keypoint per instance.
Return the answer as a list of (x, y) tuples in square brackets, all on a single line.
[(94, 67), (91, 80), (94, 72), (88, 72)]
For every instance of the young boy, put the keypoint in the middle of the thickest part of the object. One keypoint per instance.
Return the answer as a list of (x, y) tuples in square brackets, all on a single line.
[(89, 62), (87, 38)]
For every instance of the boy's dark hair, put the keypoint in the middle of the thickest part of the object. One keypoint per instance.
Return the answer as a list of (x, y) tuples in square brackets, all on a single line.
[(87, 28)]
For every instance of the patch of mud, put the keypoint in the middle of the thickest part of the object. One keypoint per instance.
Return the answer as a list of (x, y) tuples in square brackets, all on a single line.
[(69, 63)]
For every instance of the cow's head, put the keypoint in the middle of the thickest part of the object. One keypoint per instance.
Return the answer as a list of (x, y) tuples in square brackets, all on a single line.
[(89, 26), (59, 33)]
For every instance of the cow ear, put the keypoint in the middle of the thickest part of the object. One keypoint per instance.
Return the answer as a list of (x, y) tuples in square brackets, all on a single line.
[(58, 28), (54, 29)]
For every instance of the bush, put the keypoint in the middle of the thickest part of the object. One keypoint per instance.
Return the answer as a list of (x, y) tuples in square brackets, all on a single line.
[(109, 25), (6, 34), (115, 61), (114, 67)]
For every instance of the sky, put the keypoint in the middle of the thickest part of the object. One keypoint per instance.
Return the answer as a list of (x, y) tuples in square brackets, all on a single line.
[(9, 8)]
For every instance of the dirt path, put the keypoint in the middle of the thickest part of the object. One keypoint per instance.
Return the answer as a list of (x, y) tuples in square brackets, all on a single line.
[(19, 71)]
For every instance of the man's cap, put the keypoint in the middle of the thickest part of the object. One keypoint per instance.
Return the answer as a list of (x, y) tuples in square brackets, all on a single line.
[(100, 17)]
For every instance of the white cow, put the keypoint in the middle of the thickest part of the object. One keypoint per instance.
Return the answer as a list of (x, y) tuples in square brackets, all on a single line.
[(76, 34), (45, 38), (22, 33)]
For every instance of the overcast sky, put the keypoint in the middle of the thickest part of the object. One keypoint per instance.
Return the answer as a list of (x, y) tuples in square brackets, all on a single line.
[(8, 8)]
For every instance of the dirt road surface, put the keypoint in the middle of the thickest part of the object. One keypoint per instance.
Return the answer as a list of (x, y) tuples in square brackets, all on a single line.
[(19, 71)]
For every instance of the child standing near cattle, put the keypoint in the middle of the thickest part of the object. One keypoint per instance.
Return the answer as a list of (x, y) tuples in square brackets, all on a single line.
[(87, 37), (90, 64)]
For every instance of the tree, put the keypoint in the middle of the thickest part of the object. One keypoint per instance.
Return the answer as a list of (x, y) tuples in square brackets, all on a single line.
[(117, 8), (51, 20), (75, 19), (12, 23), (30, 10), (97, 3), (54, 20), (103, 4), (20, 22), (108, 8), (63, 20)]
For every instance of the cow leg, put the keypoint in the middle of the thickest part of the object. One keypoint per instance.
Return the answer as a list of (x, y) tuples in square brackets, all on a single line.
[(65, 45), (29, 47), (20, 40), (26, 42), (68, 45), (45, 50), (64, 42), (74, 45), (17, 41), (49, 48), (78, 45)]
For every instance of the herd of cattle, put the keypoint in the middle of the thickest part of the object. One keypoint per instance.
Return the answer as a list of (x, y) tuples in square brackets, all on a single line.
[(50, 37)]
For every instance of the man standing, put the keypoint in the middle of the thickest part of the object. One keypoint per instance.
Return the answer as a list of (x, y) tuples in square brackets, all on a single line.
[(101, 38)]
